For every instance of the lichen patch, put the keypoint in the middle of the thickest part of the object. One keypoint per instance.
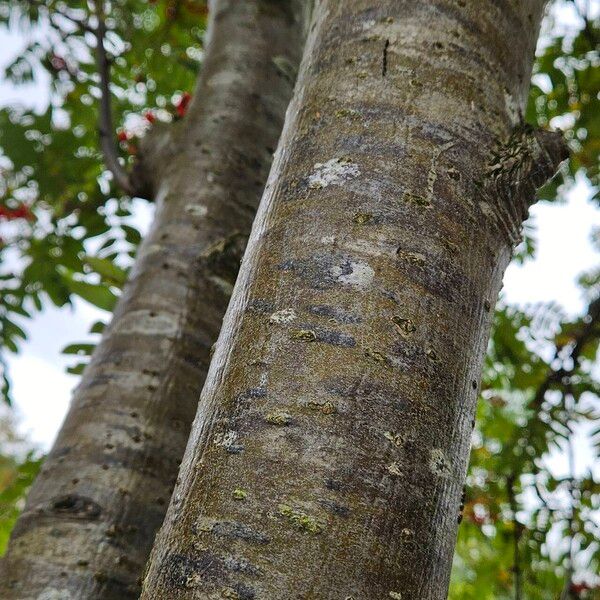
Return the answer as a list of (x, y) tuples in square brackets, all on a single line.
[(394, 469), (300, 520), (196, 210), (226, 439), (439, 463), (357, 274), (333, 172), (286, 315)]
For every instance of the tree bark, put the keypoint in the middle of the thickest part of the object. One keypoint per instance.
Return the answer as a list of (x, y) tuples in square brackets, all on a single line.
[(329, 451), (92, 514)]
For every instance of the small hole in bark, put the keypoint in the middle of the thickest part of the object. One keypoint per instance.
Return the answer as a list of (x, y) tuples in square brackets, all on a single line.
[(66, 503), (75, 506)]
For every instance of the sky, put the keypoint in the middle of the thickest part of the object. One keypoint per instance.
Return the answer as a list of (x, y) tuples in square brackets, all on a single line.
[(42, 388)]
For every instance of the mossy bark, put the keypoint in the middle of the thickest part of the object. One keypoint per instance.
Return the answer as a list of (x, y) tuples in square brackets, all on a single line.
[(329, 451), (92, 514)]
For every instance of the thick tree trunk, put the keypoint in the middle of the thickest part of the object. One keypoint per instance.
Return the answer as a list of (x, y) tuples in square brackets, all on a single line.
[(93, 512), (328, 454)]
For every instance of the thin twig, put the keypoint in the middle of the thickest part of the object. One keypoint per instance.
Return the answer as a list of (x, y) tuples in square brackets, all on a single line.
[(566, 591), (105, 120), (587, 333), (512, 500)]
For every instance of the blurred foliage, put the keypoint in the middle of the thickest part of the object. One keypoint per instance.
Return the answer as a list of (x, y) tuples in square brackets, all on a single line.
[(527, 532), (564, 93), (65, 229), (18, 468), (530, 521), (538, 405)]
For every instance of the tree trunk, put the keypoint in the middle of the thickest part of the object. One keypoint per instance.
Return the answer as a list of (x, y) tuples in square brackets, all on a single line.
[(92, 514), (329, 451)]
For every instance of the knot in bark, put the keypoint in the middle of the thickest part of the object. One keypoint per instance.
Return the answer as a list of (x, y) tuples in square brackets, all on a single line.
[(518, 167)]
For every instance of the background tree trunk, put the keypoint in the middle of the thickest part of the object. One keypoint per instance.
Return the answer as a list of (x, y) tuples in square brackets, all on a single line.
[(93, 512), (328, 454)]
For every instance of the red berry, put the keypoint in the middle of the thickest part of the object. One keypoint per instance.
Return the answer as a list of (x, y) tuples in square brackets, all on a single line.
[(182, 105), (122, 136), (58, 63), (21, 212), (578, 588), (149, 116)]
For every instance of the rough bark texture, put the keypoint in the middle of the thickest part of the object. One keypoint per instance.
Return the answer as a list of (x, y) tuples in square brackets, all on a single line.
[(328, 454), (93, 512)]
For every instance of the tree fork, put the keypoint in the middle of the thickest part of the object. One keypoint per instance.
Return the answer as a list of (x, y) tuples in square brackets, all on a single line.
[(329, 451), (92, 514)]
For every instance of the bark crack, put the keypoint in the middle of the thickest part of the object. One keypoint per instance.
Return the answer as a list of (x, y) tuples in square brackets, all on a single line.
[(384, 63)]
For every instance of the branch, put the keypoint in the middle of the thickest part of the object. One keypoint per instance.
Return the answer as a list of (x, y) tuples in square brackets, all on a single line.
[(517, 168), (512, 500), (105, 120), (566, 591), (587, 333)]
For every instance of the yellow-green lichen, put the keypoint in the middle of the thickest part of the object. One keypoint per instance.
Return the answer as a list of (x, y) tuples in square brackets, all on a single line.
[(304, 335), (416, 199), (395, 438), (375, 355), (394, 469), (300, 520), (327, 408), (279, 417), (412, 257), (361, 218), (404, 325), (347, 112), (239, 494)]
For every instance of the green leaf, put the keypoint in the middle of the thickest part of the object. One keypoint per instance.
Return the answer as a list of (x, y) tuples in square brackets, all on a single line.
[(107, 269), (98, 295), (79, 349)]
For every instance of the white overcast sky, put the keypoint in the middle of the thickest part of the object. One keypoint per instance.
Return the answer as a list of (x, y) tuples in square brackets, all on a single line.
[(42, 388)]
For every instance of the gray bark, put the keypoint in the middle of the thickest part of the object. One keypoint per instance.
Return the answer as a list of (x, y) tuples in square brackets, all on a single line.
[(92, 514), (329, 451)]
